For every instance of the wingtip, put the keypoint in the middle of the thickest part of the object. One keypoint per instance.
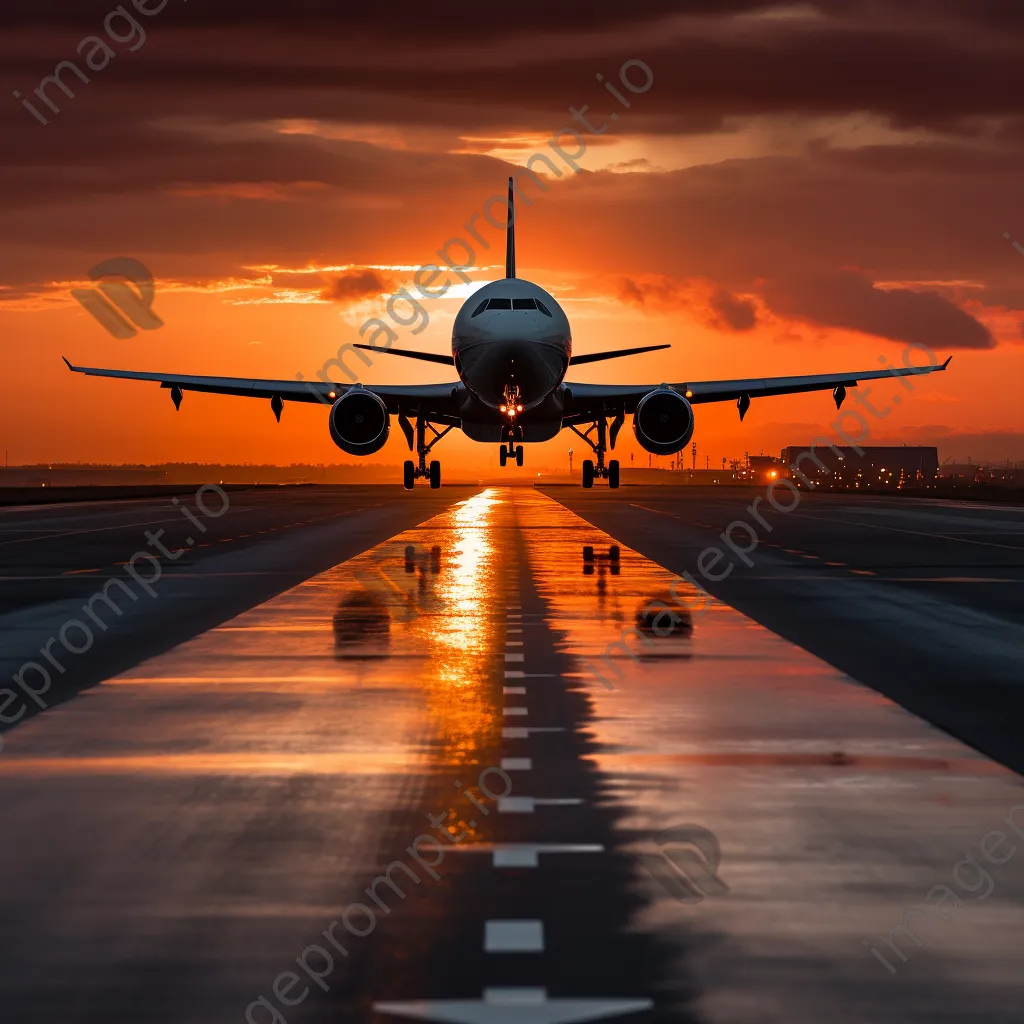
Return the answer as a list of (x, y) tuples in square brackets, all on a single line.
[(947, 362), (67, 362)]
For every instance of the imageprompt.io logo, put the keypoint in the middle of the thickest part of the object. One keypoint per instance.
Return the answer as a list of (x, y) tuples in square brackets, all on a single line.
[(123, 299), (686, 864)]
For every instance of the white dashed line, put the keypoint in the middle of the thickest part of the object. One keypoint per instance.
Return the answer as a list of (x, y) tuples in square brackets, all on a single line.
[(528, 804), (514, 936), (513, 643), (523, 732), (513, 689), (513, 711), (516, 764), (525, 855), (514, 673), (514, 657)]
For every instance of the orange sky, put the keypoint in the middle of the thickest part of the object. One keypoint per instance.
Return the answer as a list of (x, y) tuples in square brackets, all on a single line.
[(282, 179)]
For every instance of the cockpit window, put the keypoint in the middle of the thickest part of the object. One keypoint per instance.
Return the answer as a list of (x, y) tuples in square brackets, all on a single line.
[(543, 308), (499, 304), (523, 304), (479, 309)]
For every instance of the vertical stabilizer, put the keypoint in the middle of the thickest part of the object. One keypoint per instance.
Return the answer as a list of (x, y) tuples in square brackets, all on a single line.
[(510, 236)]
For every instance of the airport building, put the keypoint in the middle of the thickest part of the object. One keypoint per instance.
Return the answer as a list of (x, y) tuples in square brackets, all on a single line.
[(889, 468)]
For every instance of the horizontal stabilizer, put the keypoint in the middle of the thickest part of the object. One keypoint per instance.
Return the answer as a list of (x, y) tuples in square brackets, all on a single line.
[(596, 357), (427, 357)]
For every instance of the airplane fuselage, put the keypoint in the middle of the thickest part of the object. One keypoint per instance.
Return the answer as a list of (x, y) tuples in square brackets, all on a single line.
[(511, 343)]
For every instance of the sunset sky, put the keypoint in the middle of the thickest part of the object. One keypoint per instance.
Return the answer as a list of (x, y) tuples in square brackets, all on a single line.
[(803, 188)]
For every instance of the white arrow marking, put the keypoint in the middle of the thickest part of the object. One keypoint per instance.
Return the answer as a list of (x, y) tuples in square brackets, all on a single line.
[(514, 1006)]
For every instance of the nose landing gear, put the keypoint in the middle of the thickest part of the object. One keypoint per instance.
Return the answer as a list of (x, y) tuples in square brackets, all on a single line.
[(510, 451)]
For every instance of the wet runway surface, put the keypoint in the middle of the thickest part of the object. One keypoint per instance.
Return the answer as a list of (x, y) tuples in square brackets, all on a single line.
[(427, 784), (921, 600), (127, 579)]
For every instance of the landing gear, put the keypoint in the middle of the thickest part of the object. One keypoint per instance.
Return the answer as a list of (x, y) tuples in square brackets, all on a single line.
[(510, 450), (413, 471), (605, 439)]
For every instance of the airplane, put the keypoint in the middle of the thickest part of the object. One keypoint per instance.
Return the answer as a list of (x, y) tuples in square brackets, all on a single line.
[(511, 349)]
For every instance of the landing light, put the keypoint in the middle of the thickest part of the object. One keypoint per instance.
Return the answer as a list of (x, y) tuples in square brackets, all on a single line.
[(689, 394), (504, 408), (519, 408), (332, 394), (774, 473)]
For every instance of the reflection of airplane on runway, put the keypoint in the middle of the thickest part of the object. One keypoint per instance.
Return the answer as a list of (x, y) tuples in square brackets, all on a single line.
[(511, 347)]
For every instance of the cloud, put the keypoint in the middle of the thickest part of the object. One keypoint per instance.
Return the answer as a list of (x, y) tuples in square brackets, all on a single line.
[(850, 300), (353, 285), (733, 312), (656, 292)]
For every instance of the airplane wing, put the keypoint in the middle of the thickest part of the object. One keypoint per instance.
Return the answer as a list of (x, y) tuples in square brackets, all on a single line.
[(439, 399), (586, 399)]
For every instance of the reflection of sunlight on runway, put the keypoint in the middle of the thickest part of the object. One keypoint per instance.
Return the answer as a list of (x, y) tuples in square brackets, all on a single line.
[(461, 642), (377, 665)]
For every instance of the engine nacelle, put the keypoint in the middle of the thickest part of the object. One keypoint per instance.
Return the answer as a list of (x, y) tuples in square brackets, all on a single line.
[(359, 422), (663, 422)]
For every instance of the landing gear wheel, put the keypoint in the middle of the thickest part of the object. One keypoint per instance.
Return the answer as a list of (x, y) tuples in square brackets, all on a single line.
[(613, 474), (519, 455), (435, 475), (408, 475), (588, 473), (503, 455)]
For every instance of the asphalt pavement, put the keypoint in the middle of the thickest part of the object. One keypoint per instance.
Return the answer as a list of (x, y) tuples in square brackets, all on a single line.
[(469, 773)]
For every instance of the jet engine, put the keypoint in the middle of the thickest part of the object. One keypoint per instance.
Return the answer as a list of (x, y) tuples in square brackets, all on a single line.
[(359, 422), (663, 422)]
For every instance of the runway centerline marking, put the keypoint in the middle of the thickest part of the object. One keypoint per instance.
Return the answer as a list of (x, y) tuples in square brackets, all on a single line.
[(508, 936)]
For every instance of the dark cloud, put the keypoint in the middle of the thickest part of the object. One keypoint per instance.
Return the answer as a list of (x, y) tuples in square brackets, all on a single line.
[(355, 284), (657, 292), (852, 301), (733, 312)]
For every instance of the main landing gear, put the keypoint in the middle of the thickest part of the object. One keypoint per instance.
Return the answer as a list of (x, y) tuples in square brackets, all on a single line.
[(591, 471), (413, 470)]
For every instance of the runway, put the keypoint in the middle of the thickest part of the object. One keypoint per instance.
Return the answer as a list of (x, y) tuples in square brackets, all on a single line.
[(425, 778), (921, 600)]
